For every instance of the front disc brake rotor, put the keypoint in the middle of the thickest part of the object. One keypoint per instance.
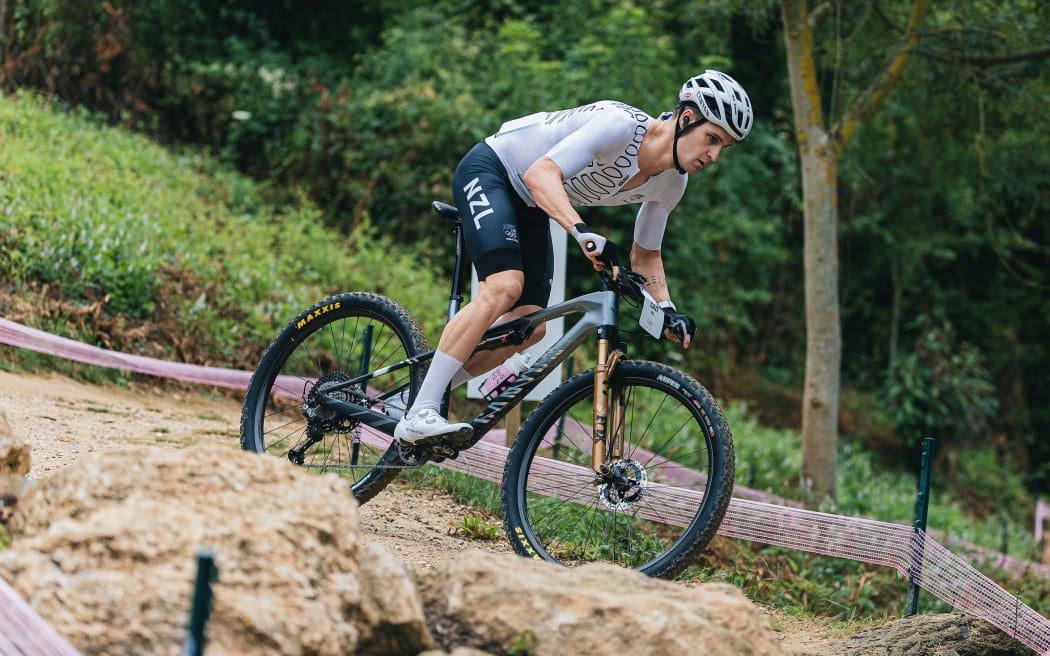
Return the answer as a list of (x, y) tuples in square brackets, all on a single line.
[(626, 487)]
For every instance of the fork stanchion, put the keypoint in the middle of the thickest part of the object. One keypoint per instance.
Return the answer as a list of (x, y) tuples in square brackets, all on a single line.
[(922, 506), (200, 611)]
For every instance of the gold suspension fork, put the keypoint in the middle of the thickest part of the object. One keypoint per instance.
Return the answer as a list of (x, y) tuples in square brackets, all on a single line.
[(608, 409)]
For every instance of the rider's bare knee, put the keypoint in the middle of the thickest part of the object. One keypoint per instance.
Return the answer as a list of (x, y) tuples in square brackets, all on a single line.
[(504, 291)]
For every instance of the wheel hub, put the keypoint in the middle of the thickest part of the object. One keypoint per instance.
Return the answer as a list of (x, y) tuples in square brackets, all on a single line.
[(624, 487)]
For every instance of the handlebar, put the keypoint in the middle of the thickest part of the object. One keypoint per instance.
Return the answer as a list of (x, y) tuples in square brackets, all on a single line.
[(628, 284)]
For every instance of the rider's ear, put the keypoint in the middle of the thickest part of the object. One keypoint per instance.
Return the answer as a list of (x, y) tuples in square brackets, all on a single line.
[(685, 121)]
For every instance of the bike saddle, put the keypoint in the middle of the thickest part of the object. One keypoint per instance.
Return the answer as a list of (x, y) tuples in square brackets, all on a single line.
[(447, 212)]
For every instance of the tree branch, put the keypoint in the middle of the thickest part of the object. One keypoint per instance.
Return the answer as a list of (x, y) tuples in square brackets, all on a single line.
[(884, 81), (819, 13)]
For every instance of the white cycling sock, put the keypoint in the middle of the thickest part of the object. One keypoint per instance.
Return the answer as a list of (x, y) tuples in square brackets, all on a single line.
[(442, 369)]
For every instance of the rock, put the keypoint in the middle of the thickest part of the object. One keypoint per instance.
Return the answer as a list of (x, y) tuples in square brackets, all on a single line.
[(498, 603), (105, 550), (946, 634), (922, 635)]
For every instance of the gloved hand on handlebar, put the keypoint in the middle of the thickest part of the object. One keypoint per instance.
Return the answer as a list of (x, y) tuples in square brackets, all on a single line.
[(678, 326), (599, 250)]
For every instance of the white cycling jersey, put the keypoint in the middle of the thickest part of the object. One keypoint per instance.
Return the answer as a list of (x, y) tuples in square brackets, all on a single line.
[(596, 147)]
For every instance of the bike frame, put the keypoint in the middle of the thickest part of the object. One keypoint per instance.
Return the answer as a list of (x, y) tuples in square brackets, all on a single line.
[(600, 312), (599, 315)]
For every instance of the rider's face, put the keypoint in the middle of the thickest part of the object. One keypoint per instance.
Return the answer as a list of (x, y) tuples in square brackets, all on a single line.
[(701, 146)]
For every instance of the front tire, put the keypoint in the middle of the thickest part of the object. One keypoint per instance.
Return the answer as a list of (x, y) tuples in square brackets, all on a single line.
[(673, 482), (335, 340)]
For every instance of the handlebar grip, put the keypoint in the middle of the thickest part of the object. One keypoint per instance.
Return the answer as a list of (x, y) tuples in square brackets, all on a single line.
[(609, 254), (679, 324)]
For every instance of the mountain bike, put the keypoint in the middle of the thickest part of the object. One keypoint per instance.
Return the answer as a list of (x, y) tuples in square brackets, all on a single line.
[(629, 462)]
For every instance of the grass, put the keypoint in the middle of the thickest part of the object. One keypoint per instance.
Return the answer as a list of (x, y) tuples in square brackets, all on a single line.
[(477, 526), (163, 243)]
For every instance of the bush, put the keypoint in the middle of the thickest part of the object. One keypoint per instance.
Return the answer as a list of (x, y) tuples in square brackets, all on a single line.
[(941, 388)]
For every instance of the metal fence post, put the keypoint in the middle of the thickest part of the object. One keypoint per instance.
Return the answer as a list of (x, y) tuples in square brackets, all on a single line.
[(200, 611), (922, 506)]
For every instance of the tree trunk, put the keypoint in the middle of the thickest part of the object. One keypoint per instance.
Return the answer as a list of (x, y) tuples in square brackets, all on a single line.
[(819, 158), (820, 397)]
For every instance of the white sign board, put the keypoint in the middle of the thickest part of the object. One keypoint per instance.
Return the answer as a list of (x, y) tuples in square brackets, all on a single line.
[(555, 327)]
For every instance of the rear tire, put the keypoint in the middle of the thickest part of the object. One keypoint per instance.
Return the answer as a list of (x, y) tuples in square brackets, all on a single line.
[(335, 340), (675, 483)]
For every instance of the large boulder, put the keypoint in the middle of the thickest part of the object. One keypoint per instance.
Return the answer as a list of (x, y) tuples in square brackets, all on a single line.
[(503, 603), (105, 550)]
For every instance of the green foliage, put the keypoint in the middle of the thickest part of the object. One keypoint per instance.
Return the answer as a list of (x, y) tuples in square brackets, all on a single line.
[(768, 459), (524, 644), (479, 527), (801, 584), (162, 237), (58, 231), (942, 389), (971, 503)]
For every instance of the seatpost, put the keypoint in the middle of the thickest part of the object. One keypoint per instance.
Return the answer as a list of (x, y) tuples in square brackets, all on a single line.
[(456, 297)]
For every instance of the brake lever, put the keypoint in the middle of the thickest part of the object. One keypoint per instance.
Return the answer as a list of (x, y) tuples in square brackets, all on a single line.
[(628, 284), (632, 283)]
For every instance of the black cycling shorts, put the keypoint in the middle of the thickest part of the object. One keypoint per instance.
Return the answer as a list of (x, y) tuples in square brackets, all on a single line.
[(502, 232)]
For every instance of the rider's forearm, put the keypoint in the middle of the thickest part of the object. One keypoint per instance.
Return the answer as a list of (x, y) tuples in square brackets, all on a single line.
[(650, 264), (545, 181)]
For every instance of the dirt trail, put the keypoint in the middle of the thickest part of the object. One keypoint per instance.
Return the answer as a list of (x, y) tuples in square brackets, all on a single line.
[(62, 420)]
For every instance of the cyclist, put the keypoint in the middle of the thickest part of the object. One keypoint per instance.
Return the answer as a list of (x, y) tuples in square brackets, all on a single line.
[(544, 164)]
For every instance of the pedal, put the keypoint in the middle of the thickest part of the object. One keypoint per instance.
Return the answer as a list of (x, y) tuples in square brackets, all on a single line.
[(419, 455), (412, 456), (443, 451)]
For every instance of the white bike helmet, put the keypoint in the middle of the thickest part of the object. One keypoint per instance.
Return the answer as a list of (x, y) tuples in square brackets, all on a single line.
[(721, 100)]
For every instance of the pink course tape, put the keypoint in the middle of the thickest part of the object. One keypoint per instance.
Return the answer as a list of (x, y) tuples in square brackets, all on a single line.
[(25, 632), (21, 336)]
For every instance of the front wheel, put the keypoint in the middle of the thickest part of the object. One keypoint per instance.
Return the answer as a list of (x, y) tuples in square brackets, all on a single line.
[(328, 344), (663, 497)]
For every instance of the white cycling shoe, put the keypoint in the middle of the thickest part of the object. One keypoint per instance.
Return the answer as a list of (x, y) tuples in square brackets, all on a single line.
[(429, 427)]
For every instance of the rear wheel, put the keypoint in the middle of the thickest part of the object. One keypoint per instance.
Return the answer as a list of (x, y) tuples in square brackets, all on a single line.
[(663, 497), (334, 341)]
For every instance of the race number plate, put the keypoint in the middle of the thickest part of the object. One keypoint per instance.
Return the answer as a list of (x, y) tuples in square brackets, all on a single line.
[(652, 317)]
